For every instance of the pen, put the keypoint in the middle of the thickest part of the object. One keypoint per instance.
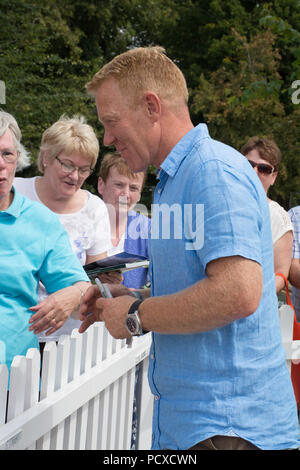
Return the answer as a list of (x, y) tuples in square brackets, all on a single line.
[(105, 292), (104, 289)]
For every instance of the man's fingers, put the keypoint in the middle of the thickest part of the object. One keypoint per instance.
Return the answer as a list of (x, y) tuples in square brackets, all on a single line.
[(88, 321), (89, 298)]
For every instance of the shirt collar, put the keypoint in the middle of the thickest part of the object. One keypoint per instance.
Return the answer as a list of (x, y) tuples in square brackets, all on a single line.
[(15, 208), (173, 161)]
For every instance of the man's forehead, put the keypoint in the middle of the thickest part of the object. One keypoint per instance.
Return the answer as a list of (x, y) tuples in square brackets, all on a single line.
[(111, 101), (106, 109), (107, 91)]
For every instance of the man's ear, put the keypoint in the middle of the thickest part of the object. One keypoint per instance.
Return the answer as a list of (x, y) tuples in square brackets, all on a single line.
[(153, 104)]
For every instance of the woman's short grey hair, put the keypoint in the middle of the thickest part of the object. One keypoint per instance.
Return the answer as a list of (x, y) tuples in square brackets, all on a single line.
[(7, 121)]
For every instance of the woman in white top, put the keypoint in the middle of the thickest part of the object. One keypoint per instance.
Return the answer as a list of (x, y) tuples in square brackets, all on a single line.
[(264, 156), (68, 154)]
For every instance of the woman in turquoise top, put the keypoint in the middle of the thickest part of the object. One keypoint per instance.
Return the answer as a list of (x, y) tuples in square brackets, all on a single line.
[(34, 246)]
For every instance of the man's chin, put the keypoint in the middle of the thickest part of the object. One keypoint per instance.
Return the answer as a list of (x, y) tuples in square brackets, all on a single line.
[(134, 163)]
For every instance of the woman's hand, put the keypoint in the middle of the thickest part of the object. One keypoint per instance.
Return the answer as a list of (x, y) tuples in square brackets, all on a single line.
[(112, 277), (52, 312)]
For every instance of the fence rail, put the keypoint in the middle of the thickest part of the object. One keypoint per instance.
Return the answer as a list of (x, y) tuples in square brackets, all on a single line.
[(83, 397)]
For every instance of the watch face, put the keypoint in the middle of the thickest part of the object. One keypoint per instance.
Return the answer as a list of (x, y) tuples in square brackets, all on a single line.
[(131, 325)]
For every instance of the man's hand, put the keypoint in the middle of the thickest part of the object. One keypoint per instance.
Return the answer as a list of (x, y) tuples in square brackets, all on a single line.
[(111, 311)]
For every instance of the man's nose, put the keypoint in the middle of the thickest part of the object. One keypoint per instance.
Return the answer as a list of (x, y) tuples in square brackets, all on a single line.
[(108, 139)]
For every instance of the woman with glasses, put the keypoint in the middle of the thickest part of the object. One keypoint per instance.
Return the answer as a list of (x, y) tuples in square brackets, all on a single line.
[(68, 154), (264, 156), (34, 246)]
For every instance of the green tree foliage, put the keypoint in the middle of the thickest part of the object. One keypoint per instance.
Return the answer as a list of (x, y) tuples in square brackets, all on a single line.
[(246, 96), (41, 66), (242, 91), (240, 58)]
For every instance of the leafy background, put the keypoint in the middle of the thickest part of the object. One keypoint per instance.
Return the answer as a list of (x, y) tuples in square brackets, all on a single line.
[(239, 57)]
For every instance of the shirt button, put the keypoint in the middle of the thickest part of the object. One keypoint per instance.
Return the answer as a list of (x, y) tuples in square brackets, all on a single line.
[(152, 357), (156, 397)]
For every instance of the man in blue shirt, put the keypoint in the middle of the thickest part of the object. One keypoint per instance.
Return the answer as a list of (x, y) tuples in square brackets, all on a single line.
[(217, 365), (34, 246)]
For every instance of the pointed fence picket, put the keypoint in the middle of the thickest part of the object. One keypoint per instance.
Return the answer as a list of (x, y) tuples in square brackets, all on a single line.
[(81, 399), (291, 346)]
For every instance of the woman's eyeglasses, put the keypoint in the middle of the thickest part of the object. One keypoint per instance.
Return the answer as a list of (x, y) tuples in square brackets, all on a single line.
[(262, 168), (69, 168), (8, 156)]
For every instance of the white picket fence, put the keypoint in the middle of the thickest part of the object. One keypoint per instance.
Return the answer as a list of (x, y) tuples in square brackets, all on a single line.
[(292, 347), (83, 398)]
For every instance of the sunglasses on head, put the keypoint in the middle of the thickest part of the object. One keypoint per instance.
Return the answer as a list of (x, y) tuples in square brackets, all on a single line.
[(263, 168)]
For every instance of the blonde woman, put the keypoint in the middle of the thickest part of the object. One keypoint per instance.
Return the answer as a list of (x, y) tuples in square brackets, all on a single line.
[(68, 154)]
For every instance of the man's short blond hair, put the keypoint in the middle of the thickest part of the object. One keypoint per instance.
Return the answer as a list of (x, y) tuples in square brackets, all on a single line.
[(144, 69)]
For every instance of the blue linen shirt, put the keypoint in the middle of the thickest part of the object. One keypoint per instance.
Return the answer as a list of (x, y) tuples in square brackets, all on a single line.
[(34, 246), (208, 204), (136, 242)]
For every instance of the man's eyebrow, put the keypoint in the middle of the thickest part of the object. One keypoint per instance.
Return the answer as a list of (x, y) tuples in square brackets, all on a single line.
[(109, 117)]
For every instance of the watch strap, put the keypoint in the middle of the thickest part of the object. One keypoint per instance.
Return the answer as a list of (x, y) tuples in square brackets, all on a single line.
[(134, 306)]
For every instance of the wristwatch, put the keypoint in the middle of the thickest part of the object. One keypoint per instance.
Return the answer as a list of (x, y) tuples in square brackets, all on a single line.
[(133, 322), (137, 294)]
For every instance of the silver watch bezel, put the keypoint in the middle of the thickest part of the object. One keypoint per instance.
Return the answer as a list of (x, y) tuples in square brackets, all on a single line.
[(138, 329)]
